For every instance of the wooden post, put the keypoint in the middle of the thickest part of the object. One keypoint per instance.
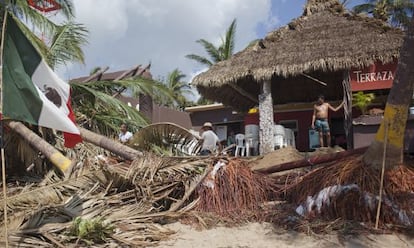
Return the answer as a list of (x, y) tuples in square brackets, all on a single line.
[(266, 118), (348, 111)]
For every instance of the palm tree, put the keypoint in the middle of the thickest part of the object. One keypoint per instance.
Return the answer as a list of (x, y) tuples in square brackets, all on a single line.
[(66, 44), (397, 12), (66, 39), (391, 131), (23, 10), (217, 54), (178, 87), (220, 53), (97, 108)]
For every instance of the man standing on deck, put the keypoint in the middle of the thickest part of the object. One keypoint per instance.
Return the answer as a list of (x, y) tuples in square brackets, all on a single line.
[(320, 119)]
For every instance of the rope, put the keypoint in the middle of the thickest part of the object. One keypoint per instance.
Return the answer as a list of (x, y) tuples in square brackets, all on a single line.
[(347, 107), (3, 163), (384, 156), (3, 174)]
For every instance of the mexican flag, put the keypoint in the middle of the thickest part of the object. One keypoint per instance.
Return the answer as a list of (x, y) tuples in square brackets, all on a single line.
[(32, 92)]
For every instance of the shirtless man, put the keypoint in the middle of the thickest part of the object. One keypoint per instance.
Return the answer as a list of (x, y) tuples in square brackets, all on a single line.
[(320, 119)]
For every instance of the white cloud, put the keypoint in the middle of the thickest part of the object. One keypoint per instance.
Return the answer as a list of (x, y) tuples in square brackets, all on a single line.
[(126, 33)]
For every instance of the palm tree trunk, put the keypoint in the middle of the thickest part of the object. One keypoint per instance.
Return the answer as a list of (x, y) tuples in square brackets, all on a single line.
[(266, 118), (57, 158), (109, 144), (396, 109)]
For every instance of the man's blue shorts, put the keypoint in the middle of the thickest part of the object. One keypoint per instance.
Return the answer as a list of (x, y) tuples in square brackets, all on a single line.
[(322, 125)]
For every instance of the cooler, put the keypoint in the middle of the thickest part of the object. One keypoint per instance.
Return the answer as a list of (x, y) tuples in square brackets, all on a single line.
[(313, 139)]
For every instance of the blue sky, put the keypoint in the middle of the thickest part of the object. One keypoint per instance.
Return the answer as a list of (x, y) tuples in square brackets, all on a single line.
[(125, 33)]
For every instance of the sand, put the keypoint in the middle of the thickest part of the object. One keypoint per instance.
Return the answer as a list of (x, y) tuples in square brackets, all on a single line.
[(263, 235)]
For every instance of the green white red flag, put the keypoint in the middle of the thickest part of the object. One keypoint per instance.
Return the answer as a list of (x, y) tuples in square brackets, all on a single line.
[(32, 92)]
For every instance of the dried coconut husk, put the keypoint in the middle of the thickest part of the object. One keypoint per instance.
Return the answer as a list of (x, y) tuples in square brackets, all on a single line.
[(359, 201), (235, 192)]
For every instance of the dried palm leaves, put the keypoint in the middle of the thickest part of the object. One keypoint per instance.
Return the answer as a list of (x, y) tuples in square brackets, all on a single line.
[(167, 136), (132, 199), (349, 190), (233, 190)]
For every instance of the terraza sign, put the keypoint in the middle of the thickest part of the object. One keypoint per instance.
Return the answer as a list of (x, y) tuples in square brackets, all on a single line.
[(377, 76)]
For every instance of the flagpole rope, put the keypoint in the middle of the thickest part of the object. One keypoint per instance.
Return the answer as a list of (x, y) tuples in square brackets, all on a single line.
[(3, 161)]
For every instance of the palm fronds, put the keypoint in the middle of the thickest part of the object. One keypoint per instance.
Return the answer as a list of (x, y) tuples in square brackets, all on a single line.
[(100, 111), (21, 9), (66, 44), (217, 53), (168, 136)]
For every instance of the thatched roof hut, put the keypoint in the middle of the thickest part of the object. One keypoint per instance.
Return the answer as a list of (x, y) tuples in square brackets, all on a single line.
[(322, 43)]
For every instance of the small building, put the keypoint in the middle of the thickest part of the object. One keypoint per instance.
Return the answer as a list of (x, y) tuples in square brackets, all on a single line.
[(225, 119), (321, 52)]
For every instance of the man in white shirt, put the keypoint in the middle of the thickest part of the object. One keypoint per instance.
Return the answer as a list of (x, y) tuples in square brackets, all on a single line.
[(209, 140), (124, 136)]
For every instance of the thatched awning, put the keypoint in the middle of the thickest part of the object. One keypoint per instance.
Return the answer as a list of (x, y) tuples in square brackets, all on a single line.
[(323, 42)]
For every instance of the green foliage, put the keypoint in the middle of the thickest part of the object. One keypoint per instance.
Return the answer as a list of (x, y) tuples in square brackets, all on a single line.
[(99, 111), (396, 12), (91, 230), (178, 89), (66, 39), (220, 53), (66, 44), (362, 101), (217, 54)]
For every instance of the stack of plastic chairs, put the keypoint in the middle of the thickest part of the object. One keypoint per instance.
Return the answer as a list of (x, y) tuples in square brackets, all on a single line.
[(252, 139), (279, 136), (240, 145), (290, 137)]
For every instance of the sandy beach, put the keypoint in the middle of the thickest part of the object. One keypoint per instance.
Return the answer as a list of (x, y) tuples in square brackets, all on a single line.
[(264, 235)]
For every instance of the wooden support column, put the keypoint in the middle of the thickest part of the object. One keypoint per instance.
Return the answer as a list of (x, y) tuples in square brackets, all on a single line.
[(266, 118), (348, 111)]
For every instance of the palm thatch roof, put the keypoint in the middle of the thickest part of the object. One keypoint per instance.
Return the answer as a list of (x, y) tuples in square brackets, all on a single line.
[(324, 42)]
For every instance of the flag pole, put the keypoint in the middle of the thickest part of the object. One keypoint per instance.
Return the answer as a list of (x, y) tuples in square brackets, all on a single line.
[(3, 161)]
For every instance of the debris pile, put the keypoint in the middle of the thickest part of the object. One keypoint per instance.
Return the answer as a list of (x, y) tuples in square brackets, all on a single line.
[(350, 190), (126, 204)]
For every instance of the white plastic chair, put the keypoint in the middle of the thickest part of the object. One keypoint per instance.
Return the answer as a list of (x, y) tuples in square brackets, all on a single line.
[(240, 145)]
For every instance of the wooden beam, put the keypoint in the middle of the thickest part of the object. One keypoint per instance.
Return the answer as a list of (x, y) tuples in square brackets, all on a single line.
[(137, 73), (314, 79), (312, 161), (125, 73), (244, 93), (140, 72), (95, 75)]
